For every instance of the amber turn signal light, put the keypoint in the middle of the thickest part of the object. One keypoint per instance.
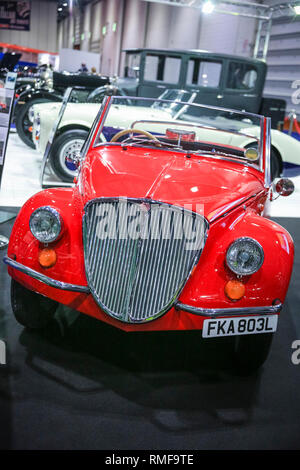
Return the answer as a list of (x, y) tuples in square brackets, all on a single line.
[(47, 257), (235, 290)]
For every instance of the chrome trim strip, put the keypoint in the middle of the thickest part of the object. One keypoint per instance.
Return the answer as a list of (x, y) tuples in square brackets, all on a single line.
[(93, 129), (221, 312), (45, 279), (268, 178)]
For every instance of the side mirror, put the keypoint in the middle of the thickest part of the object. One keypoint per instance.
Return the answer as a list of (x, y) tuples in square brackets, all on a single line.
[(284, 187)]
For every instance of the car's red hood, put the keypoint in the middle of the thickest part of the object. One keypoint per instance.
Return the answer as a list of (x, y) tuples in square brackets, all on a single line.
[(170, 177)]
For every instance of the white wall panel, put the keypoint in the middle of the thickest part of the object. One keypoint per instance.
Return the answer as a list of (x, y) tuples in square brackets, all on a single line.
[(110, 44), (134, 24), (86, 29), (158, 27), (188, 28), (184, 28), (65, 32), (60, 35), (70, 42), (134, 27), (227, 34), (96, 25), (71, 60)]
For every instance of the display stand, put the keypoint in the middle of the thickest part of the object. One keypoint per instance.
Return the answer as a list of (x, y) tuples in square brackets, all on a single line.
[(50, 183), (7, 96)]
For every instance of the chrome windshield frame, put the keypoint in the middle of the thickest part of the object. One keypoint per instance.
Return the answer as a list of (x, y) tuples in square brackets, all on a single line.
[(267, 147)]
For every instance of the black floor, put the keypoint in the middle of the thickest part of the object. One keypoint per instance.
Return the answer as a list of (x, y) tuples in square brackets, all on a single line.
[(85, 385)]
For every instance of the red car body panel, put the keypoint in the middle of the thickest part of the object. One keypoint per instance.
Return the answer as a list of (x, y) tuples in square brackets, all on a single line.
[(233, 197), (169, 177)]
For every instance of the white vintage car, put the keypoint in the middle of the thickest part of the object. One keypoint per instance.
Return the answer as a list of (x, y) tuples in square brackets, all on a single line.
[(78, 119)]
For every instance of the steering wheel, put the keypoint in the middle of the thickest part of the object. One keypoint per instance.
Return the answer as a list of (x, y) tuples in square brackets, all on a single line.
[(133, 131)]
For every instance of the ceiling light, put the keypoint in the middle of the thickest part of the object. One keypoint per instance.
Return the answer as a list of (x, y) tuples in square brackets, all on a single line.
[(208, 7), (59, 9)]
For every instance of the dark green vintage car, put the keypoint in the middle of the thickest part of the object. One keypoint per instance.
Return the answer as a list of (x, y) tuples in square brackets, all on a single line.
[(219, 79)]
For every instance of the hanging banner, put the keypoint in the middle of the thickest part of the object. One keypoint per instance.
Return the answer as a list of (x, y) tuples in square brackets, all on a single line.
[(15, 15)]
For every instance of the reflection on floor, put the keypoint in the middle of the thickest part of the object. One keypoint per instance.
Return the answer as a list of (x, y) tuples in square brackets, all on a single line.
[(82, 384), (20, 179), (22, 172), (21, 176)]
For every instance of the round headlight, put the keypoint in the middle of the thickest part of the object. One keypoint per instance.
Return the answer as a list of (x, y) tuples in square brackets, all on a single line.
[(245, 256), (45, 224)]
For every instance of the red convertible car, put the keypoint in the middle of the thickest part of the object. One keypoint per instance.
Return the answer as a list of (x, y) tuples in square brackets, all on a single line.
[(164, 229)]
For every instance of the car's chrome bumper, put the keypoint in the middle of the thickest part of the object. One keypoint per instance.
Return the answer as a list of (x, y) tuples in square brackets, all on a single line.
[(236, 311), (203, 312), (45, 279)]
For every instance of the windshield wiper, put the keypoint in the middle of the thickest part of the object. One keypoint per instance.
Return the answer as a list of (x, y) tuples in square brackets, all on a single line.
[(131, 141), (215, 153), (135, 141)]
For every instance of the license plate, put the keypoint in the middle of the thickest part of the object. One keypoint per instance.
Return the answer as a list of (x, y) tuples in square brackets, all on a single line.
[(239, 326)]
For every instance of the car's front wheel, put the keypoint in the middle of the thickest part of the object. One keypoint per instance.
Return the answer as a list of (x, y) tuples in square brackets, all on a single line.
[(275, 165), (31, 310), (251, 351), (24, 123), (65, 146)]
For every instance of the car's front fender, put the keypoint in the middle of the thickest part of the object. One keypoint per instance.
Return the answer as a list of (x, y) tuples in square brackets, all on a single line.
[(205, 287), (24, 248)]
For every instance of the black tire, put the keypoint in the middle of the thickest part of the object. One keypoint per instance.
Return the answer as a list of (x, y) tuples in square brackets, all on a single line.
[(75, 139), (275, 165), (32, 310), (251, 351), (23, 123)]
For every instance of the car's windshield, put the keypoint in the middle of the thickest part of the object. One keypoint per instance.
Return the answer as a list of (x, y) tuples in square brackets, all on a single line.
[(184, 127), (174, 99), (171, 106)]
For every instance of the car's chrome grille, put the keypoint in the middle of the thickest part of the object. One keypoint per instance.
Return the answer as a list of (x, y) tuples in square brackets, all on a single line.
[(138, 277)]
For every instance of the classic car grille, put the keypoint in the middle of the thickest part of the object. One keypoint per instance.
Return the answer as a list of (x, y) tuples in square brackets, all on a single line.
[(138, 277)]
